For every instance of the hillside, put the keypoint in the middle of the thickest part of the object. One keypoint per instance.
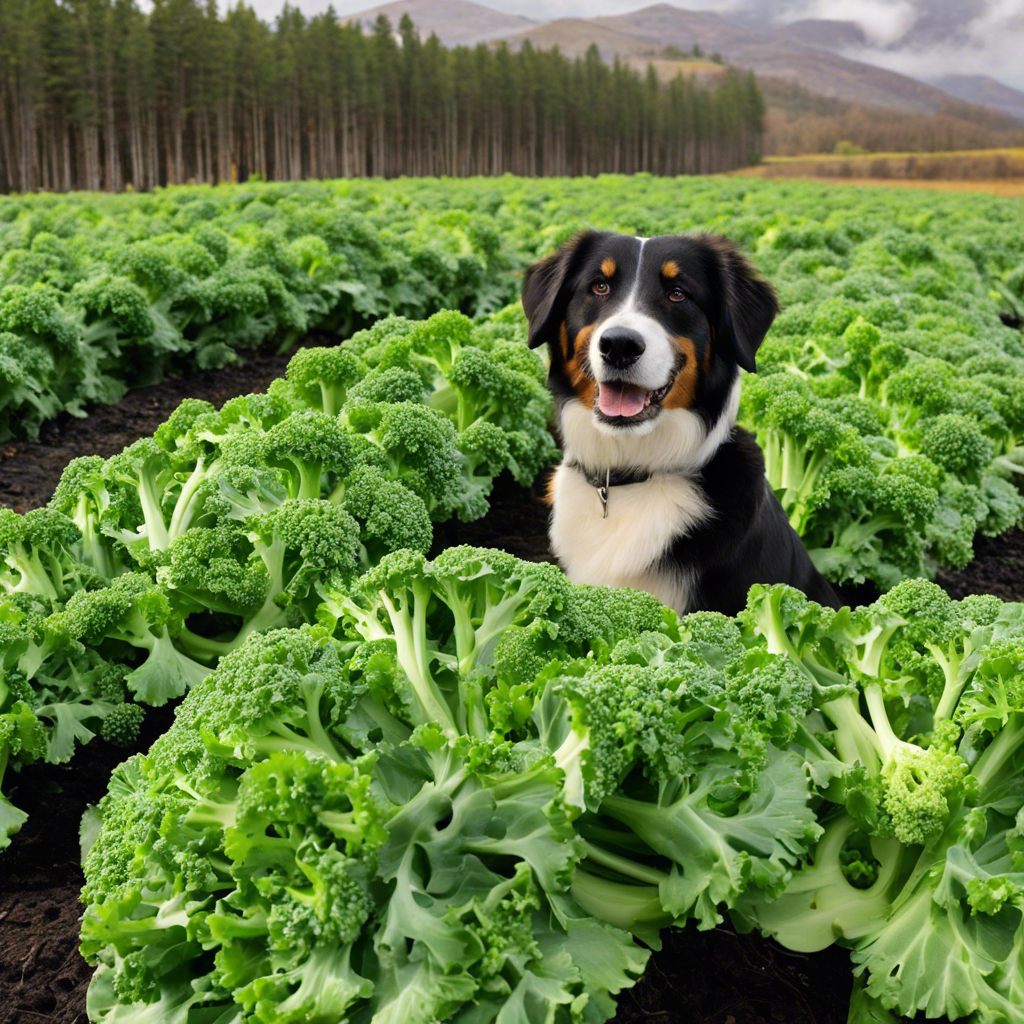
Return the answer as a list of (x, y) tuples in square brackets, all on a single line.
[(982, 89), (784, 53), (772, 53), (454, 22), (574, 36), (813, 92)]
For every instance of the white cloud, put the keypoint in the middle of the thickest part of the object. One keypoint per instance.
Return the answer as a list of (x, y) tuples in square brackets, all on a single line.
[(995, 43), (883, 21)]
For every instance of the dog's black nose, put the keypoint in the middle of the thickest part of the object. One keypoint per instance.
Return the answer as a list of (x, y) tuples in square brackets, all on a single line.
[(621, 347)]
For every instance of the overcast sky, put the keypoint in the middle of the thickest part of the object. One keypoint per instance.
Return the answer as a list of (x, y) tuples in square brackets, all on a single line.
[(991, 31)]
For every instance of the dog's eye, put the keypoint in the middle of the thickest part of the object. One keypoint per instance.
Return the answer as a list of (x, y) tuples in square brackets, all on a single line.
[(600, 288), (676, 295)]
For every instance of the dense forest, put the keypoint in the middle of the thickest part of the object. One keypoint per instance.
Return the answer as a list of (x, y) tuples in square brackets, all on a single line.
[(99, 94)]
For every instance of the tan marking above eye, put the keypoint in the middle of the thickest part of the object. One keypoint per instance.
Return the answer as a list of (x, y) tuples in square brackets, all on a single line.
[(670, 269), (608, 266), (683, 392)]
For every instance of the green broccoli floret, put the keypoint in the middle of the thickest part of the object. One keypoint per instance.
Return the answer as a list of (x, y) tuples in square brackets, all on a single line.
[(865, 525), (921, 786), (390, 515), (35, 315), (863, 416), (958, 445), (870, 361), (22, 740), (430, 347), (314, 450), (932, 388), (418, 446), (483, 454), (593, 726), (210, 570), (666, 752), (122, 724), (146, 470), (40, 552), (321, 378), (446, 616), (149, 265), (599, 617), (993, 706), (116, 316), (173, 433), (482, 387), (916, 788), (259, 412), (135, 612), (392, 385), (82, 494), (299, 543), (263, 574), (27, 395), (282, 690), (373, 343), (801, 440)]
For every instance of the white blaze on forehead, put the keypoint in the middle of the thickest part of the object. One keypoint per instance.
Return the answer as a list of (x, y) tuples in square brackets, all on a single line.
[(652, 370)]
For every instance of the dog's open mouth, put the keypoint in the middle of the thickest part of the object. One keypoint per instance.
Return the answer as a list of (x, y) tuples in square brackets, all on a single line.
[(628, 403)]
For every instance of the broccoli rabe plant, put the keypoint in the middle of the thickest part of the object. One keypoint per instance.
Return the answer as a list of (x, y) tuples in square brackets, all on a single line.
[(55, 693), (263, 573), (801, 440), (918, 768), (165, 558), (341, 853)]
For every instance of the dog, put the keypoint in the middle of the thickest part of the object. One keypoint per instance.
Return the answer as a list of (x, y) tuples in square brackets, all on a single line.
[(658, 488)]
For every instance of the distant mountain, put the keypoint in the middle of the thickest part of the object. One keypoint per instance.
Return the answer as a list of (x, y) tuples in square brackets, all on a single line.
[(454, 22), (906, 25), (984, 90), (574, 36), (829, 35), (773, 53), (803, 52)]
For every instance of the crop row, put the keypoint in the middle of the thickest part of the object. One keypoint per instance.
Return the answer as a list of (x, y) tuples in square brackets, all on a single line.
[(102, 293), (147, 567), (893, 428), (462, 789), (472, 786)]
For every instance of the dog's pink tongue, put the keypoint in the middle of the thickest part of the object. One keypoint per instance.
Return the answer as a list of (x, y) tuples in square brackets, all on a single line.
[(617, 399)]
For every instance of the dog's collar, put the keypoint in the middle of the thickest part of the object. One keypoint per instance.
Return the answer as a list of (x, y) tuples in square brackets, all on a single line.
[(610, 478)]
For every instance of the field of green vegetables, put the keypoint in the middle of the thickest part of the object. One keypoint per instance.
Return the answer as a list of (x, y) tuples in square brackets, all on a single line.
[(894, 437), (402, 790)]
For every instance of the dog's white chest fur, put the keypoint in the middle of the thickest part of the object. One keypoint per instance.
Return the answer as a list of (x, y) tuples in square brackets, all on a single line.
[(624, 549)]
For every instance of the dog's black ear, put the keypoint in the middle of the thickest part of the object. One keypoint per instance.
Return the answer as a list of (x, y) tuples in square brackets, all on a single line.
[(748, 303), (544, 286)]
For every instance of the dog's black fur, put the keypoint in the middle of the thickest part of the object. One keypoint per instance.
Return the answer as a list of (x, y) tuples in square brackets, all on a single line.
[(708, 334)]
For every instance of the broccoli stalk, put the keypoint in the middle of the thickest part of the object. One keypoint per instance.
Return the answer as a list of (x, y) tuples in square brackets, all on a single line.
[(820, 905)]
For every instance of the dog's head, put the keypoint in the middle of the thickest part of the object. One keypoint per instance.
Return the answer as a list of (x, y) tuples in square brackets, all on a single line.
[(640, 328)]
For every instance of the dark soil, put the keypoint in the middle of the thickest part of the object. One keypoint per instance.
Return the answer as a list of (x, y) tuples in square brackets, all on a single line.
[(715, 977)]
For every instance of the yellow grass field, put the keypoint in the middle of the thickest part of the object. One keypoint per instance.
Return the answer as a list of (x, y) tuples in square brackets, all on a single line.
[(1012, 188), (667, 70), (1010, 153), (998, 171)]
